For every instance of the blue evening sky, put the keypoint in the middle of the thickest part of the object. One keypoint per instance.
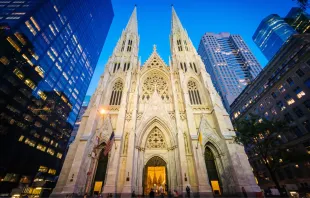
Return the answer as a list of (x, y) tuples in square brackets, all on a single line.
[(197, 17)]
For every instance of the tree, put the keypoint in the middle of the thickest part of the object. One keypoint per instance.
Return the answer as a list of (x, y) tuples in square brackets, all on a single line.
[(303, 4), (262, 139)]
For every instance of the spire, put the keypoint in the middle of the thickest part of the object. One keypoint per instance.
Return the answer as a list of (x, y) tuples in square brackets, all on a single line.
[(175, 22), (132, 25)]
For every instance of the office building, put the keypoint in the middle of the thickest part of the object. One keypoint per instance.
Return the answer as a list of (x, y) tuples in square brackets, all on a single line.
[(271, 34), (230, 63), (49, 50), (282, 91), (299, 20)]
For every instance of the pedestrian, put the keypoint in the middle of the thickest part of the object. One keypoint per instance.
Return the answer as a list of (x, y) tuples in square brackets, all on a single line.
[(244, 192), (188, 191), (175, 193), (133, 194), (152, 193)]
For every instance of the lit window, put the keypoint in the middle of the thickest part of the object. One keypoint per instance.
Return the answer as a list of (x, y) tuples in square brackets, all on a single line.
[(300, 93), (35, 23), (30, 142), (4, 60), (59, 155), (13, 44), (46, 139), (20, 38), (32, 30), (50, 151), (50, 55), (41, 147), (289, 99), (30, 84), (40, 71), (281, 88), (21, 138), (42, 169), (52, 29), (42, 95), (18, 73), (64, 99), (52, 171), (27, 59)]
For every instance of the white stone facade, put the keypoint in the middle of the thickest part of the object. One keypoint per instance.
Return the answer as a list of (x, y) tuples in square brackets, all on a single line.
[(173, 103)]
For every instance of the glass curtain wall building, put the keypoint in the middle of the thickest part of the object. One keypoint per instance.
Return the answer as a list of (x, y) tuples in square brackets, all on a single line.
[(271, 34), (49, 51), (230, 63), (299, 20)]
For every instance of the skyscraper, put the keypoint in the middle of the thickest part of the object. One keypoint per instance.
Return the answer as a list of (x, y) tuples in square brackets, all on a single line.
[(154, 112), (271, 34), (230, 63), (49, 50), (299, 20)]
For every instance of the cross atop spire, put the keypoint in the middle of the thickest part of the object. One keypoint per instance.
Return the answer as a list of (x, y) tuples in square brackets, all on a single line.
[(175, 21), (132, 25)]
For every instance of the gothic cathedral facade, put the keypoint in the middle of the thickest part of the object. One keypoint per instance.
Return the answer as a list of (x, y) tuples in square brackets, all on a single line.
[(171, 129)]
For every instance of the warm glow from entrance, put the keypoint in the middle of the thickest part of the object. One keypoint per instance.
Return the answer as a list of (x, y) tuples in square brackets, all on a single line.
[(215, 187), (97, 187), (102, 111), (156, 177)]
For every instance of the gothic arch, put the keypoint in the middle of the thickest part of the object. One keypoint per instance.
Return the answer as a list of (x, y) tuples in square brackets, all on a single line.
[(200, 88), (110, 88), (155, 80), (145, 129)]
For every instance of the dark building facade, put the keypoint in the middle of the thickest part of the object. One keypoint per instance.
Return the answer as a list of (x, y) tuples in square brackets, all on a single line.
[(282, 91), (299, 20), (271, 34), (49, 50)]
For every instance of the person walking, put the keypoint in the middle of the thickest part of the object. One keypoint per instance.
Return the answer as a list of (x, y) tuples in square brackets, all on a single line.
[(152, 193), (188, 191)]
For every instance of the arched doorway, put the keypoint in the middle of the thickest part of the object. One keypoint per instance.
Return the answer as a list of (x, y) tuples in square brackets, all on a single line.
[(212, 172), (155, 176), (98, 181)]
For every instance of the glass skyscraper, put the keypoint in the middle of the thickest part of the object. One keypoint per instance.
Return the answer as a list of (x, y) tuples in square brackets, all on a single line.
[(230, 63), (271, 34), (299, 20), (49, 51)]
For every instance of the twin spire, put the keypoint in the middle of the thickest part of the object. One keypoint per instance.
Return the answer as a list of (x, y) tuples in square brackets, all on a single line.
[(132, 25)]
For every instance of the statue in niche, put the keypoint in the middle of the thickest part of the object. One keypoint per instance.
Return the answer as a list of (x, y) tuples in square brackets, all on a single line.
[(186, 143)]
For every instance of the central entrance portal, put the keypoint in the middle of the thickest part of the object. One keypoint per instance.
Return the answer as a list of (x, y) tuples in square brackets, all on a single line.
[(155, 176)]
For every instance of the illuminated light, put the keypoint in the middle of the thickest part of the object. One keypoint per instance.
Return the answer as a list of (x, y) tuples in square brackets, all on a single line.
[(296, 165), (38, 188), (32, 30), (40, 71), (20, 38), (18, 73), (27, 59), (55, 8), (13, 44), (42, 95), (21, 138), (102, 111), (279, 136), (280, 160), (290, 101), (30, 84), (4, 60), (301, 94), (35, 23)]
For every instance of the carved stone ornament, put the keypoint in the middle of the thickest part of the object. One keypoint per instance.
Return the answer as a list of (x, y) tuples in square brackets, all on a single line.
[(172, 115), (139, 115), (182, 115), (140, 148), (128, 116), (156, 140)]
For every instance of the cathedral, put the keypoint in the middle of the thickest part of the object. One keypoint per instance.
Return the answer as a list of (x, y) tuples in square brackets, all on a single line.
[(170, 128)]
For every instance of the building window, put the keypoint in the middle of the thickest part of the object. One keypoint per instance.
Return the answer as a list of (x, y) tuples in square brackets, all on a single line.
[(42, 169), (18, 73), (129, 46), (52, 171), (125, 67), (281, 88), (297, 131), (193, 92), (274, 95), (181, 64), (13, 44), (307, 104), (41, 147), (289, 99), (59, 155), (195, 68), (123, 46), (30, 142), (281, 105), (288, 117), (300, 93), (179, 45), (306, 124), (30, 84), (298, 112), (290, 81), (50, 151), (116, 95), (300, 73), (128, 66), (185, 44), (185, 67), (307, 82)]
